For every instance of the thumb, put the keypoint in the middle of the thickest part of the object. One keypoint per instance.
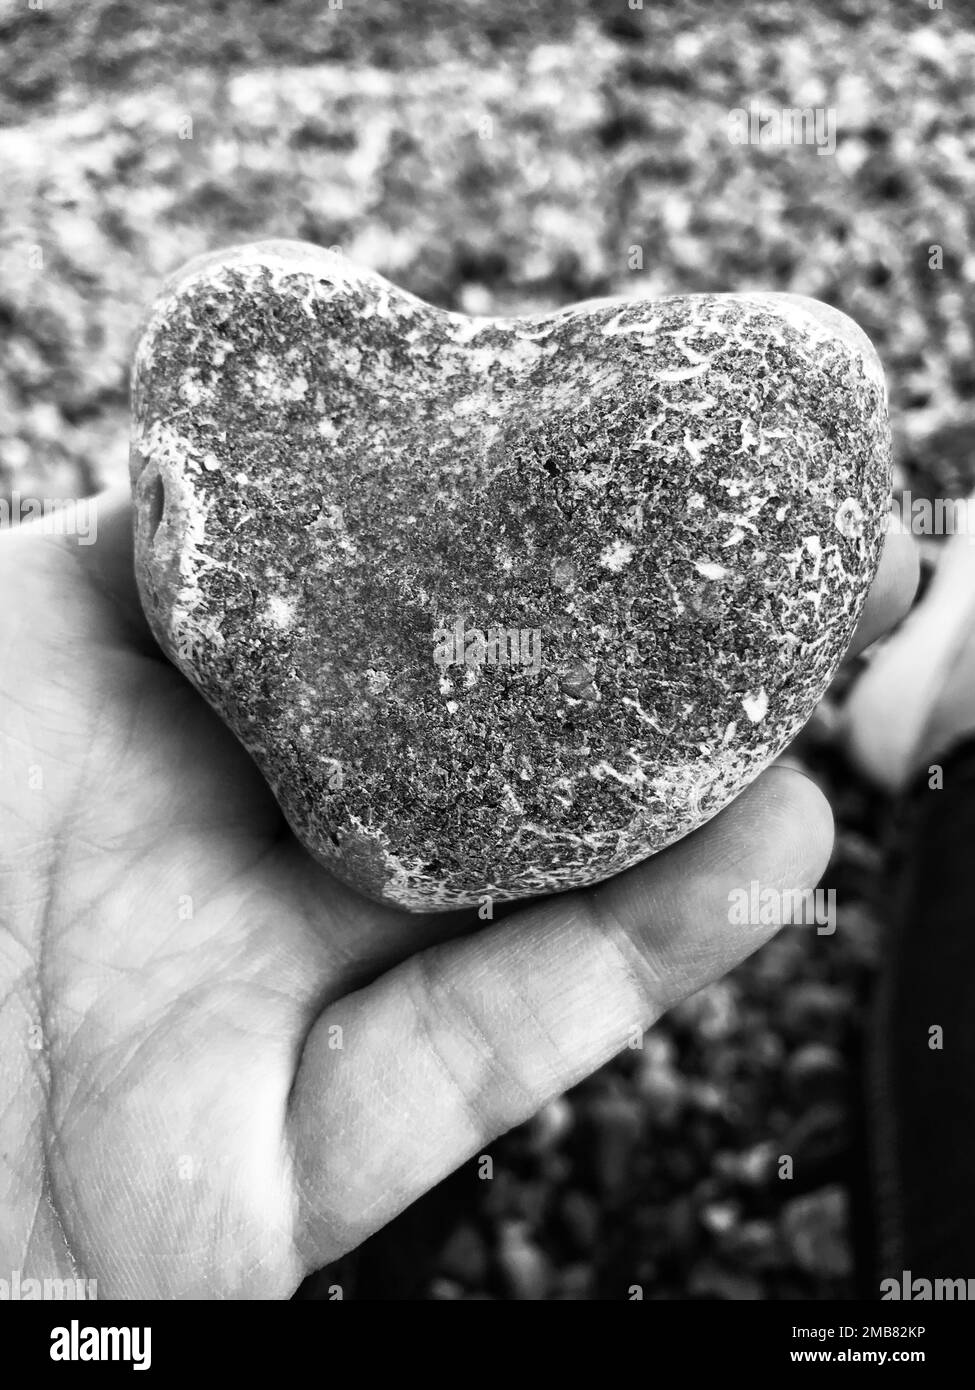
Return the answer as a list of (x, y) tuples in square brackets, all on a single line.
[(471, 1037)]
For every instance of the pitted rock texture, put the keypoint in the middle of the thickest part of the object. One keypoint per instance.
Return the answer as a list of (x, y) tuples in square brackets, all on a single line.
[(500, 607)]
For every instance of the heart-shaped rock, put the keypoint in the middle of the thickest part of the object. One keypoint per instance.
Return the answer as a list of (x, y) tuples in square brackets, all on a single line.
[(500, 607)]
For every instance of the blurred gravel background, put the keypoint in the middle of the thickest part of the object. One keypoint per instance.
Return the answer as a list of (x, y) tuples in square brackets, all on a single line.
[(511, 157)]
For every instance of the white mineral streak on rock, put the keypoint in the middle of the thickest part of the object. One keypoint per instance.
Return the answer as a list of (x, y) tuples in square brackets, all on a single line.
[(756, 705), (616, 556), (849, 518), (512, 800), (708, 570), (685, 373), (641, 713), (181, 534), (614, 327), (280, 612), (695, 447)]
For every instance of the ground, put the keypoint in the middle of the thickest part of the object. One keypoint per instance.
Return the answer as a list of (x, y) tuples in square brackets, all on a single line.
[(512, 157)]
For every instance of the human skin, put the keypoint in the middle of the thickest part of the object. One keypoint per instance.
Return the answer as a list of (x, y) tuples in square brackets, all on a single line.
[(176, 1116)]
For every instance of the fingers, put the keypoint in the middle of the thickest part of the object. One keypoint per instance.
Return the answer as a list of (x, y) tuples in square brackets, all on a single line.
[(892, 590), (467, 1039)]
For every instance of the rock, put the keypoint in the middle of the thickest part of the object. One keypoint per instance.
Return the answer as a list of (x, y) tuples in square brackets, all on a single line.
[(445, 1289), (675, 1223), (657, 1078), (765, 1051), (819, 1142), (500, 607), (720, 1217), (531, 1199), (464, 1258), (862, 933), (616, 1123), (499, 1199), (754, 1244), (815, 1230), (816, 1072), (657, 1050), (523, 1266), (754, 1166), (555, 1167), (550, 1125), (711, 1013), (574, 1283), (665, 1093), (710, 1280), (815, 1010), (580, 1219), (706, 1096)]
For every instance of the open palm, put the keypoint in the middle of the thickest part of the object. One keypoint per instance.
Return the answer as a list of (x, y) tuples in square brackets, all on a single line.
[(222, 1068)]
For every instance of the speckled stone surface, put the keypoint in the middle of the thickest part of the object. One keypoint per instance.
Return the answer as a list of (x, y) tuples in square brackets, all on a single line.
[(500, 607)]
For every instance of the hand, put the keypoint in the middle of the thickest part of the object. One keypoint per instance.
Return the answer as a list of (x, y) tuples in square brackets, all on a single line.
[(221, 1068)]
